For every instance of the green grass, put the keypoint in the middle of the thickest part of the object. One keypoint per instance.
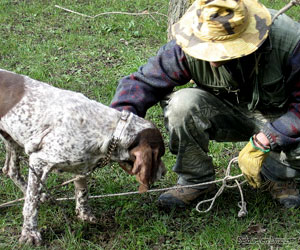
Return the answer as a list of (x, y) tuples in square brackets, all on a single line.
[(90, 56)]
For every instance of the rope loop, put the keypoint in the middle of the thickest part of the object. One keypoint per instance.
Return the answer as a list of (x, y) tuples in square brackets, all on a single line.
[(242, 204)]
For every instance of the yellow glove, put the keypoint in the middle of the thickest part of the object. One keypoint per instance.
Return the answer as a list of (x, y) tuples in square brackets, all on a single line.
[(250, 162)]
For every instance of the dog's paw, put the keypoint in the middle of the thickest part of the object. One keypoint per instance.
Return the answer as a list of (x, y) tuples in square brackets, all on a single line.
[(30, 237), (86, 215)]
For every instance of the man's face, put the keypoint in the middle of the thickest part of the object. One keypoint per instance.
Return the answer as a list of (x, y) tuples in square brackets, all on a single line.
[(218, 64)]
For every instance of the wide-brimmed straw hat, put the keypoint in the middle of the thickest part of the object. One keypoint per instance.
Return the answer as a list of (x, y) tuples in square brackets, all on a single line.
[(219, 30)]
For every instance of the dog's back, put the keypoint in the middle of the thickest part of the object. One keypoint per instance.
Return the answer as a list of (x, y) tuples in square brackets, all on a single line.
[(29, 107), (66, 121)]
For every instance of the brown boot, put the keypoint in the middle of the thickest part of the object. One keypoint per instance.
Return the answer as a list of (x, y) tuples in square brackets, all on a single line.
[(182, 196), (286, 193)]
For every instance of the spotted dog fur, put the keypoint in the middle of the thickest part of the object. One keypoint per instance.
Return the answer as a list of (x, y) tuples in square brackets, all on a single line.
[(65, 131)]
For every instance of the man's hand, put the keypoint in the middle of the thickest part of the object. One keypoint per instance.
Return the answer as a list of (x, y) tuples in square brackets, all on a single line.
[(251, 158)]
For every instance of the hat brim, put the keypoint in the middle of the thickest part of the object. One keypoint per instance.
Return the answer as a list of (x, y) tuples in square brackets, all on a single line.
[(254, 35)]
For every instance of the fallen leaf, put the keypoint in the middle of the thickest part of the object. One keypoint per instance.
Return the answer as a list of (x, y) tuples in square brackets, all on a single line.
[(255, 229)]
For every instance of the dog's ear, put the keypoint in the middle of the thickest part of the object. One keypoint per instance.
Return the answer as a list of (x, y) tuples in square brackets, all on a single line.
[(145, 152), (142, 167)]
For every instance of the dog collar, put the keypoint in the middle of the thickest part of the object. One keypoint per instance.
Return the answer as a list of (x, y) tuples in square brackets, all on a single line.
[(116, 137), (121, 124)]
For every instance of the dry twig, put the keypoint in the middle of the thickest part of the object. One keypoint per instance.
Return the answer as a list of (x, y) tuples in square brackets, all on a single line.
[(113, 12), (286, 8)]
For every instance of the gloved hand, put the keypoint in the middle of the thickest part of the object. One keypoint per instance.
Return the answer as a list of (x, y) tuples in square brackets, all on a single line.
[(250, 162)]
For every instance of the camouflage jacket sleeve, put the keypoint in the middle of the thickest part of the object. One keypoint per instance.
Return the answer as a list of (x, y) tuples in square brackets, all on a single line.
[(285, 131), (144, 88)]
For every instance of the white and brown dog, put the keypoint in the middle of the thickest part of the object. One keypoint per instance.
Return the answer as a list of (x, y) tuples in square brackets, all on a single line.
[(65, 131)]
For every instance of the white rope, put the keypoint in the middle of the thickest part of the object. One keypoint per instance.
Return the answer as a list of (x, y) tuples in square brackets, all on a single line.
[(224, 181), (228, 177), (11, 203)]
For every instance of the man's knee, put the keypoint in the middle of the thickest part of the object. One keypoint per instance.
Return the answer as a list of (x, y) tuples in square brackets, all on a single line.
[(184, 103)]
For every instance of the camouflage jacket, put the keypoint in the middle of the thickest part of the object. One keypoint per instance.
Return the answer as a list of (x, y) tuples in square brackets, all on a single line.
[(170, 68)]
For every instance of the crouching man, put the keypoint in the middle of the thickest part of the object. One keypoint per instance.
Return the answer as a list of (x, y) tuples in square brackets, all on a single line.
[(247, 72)]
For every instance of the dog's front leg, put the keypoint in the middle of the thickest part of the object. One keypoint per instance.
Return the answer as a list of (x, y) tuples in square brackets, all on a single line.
[(36, 178), (11, 166), (83, 211)]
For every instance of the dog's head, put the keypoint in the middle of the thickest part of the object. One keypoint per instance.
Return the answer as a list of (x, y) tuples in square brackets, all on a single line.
[(145, 154)]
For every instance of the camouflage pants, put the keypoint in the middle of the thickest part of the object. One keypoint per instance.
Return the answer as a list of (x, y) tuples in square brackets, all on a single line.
[(194, 116)]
